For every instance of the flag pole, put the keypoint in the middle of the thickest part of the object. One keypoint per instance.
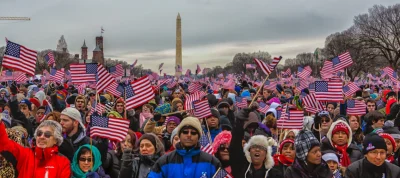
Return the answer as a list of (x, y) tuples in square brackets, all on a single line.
[(208, 133), (216, 173), (258, 91), (1, 70), (125, 104)]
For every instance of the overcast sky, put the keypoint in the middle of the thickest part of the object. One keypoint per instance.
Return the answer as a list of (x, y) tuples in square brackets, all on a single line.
[(213, 31)]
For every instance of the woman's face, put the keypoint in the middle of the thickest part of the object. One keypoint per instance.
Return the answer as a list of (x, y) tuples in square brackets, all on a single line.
[(333, 166), (175, 140), (330, 108), (340, 138), (314, 155), (224, 152), (45, 137), (288, 151), (85, 162), (389, 146), (145, 109), (290, 135), (179, 107), (326, 123), (147, 148), (126, 143), (354, 125)]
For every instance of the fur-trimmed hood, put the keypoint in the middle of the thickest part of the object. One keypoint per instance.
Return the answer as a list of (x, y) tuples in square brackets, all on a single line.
[(262, 141), (329, 134)]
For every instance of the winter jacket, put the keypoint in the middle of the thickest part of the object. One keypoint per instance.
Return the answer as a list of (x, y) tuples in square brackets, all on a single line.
[(299, 170), (240, 165), (36, 162), (112, 164), (98, 171), (353, 151), (213, 132), (19, 117), (358, 170), (185, 163)]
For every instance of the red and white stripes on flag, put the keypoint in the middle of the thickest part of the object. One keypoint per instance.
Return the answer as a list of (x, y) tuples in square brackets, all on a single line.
[(106, 81), (194, 87), (117, 71), (202, 109), (83, 73), (19, 58), (327, 70), (304, 72), (263, 107), (329, 90), (111, 128), (189, 99), (241, 102), (275, 62), (350, 89), (356, 107), (342, 61), (50, 58), (142, 93), (288, 72), (291, 119), (100, 108), (312, 105), (20, 77), (58, 75), (270, 85), (81, 88), (264, 67)]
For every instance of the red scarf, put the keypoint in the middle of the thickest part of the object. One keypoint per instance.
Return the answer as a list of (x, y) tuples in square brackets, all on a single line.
[(344, 158), (282, 159), (390, 159)]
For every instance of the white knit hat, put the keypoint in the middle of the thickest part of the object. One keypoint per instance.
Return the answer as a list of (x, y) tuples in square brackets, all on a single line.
[(73, 114)]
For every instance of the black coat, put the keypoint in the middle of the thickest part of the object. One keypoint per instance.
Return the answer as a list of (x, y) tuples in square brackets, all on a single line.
[(299, 170), (112, 165), (358, 170), (353, 151)]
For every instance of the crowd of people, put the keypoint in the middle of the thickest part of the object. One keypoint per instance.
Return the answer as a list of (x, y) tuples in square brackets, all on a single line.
[(45, 132)]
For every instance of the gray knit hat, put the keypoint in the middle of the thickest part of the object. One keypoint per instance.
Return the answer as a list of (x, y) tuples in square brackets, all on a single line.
[(174, 132), (304, 142), (73, 114)]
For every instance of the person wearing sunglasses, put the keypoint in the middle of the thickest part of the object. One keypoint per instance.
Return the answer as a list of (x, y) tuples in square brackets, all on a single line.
[(87, 163), (36, 161), (221, 149), (187, 160), (322, 123)]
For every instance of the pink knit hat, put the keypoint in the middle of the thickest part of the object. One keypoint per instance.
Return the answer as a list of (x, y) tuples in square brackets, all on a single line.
[(224, 137)]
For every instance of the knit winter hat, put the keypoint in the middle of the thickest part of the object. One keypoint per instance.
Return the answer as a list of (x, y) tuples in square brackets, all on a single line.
[(284, 142), (224, 137), (390, 138), (340, 127), (73, 114), (215, 113), (150, 138), (174, 132), (304, 142), (174, 119), (391, 129), (190, 121), (373, 141), (27, 102), (330, 157)]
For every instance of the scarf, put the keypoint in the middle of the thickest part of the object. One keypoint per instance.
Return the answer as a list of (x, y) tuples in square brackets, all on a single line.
[(281, 159), (344, 158), (390, 159)]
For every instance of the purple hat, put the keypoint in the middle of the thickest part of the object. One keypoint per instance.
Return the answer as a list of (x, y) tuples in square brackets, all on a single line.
[(175, 119), (274, 100)]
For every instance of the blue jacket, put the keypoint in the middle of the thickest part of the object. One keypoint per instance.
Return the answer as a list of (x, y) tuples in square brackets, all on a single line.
[(213, 132), (186, 164)]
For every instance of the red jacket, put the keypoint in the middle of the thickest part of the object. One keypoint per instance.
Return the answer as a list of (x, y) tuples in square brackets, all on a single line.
[(35, 162)]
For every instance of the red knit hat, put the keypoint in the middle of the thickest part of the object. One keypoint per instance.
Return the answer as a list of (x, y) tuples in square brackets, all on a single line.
[(391, 139), (35, 101), (341, 127), (284, 142), (224, 137)]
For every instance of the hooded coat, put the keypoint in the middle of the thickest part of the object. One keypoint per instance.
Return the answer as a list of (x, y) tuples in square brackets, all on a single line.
[(35, 162), (272, 108), (241, 165), (77, 172), (353, 151), (139, 167)]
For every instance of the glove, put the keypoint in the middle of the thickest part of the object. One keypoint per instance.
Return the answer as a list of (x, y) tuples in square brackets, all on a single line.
[(13, 88), (92, 175)]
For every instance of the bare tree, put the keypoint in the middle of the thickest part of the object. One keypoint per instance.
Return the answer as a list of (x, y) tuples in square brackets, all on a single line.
[(380, 30)]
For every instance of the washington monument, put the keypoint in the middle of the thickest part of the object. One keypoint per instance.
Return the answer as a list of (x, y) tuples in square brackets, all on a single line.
[(178, 56)]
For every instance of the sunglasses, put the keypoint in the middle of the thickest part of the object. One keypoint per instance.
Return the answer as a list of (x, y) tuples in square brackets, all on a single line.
[(85, 159), (186, 132), (223, 147), (258, 147), (325, 120), (47, 134), (371, 106)]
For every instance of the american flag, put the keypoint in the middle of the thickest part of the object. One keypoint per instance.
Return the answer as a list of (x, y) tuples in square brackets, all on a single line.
[(189, 99), (263, 107), (241, 102), (99, 108), (342, 61), (160, 66), (202, 109), (178, 68), (222, 174), (356, 107), (6, 75), (311, 87), (275, 62), (264, 67), (56, 75), (292, 119), (229, 84), (304, 72), (391, 73), (83, 73), (116, 71), (198, 69), (133, 65), (172, 84), (162, 82), (302, 85), (311, 103), (49, 57), (270, 85), (81, 88), (288, 72), (250, 66), (111, 128), (194, 87), (205, 144), (20, 77), (138, 93), (327, 70), (188, 73), (329, 90), (106, 81), (19, 58), (350, 89)]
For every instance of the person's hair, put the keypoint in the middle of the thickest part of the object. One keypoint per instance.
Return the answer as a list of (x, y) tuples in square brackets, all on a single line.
[(370, 100), (374, 116), (270, 121), (134, 142), (82, 151), (57, 134), (56, 115), (149, 106), (41, 107), (288, 145)]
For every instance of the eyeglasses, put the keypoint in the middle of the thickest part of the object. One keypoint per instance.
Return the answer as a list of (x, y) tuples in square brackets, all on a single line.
[(325, 120), (46, 134), (85, 159), (371, 106), (222, 147), (258, 147), (186, 132), (376, 153)]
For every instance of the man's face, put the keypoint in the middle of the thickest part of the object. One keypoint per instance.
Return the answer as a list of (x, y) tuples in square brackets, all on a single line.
[(176, 95), (266, 94), (80, 104), (45, 137), (171, 126), (370, 106), (120, 107), (397, 144), (378, 124), (189, 137), (212, 122), (3, 93), (39, 114), (288, 95), (24, 109), (376, 157), (68, 124)]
